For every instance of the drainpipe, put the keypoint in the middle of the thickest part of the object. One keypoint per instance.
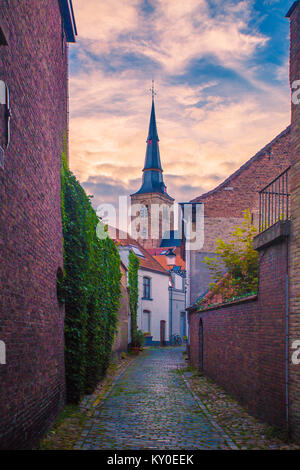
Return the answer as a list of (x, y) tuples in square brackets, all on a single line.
[(171, 312), (287, 339)]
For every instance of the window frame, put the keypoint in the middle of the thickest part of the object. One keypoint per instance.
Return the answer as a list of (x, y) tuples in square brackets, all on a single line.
[(147, 288)]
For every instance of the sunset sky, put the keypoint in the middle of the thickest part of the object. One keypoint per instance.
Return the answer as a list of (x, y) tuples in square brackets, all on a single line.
[(221, 73)]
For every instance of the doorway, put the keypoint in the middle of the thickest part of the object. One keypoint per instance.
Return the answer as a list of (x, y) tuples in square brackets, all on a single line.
[(182, 325), (200, 345), (162, 332)]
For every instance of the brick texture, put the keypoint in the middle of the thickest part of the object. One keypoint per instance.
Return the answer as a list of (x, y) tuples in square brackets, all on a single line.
[(224, 205), (244, 343), (294, 322), (155, 224), (34, 65)]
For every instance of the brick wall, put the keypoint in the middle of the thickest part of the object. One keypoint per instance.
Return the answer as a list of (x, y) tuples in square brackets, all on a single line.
[(244, 343), (121, 342), (224, 205), (34, 65), (294, 321), (155, 225)]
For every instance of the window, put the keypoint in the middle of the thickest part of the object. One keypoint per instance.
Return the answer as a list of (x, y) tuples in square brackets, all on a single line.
[(146, 288), (3, 41), (146, 322), (4, 120), (144, 211), (137, 251)]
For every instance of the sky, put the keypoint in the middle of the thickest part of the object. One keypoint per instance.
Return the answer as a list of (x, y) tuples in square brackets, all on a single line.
[(221, 75)]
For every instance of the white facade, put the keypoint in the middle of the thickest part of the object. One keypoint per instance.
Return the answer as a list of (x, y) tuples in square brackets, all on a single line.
[(178, 317), (153, 311)]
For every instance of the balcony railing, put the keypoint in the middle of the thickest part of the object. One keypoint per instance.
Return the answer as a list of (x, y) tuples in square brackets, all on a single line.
[(274, 202)]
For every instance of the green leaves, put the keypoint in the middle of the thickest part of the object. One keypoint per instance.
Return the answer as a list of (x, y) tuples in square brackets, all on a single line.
[(133, 268), (91, 290), (240, 261)]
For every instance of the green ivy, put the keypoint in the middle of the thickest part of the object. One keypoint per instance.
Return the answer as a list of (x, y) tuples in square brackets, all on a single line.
[(90, 289), (133, 268)]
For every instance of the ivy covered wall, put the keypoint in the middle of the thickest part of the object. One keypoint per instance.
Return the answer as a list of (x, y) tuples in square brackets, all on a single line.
[(90, 289)]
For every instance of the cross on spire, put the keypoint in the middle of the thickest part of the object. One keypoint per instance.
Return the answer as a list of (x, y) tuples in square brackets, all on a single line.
[(152, 89)]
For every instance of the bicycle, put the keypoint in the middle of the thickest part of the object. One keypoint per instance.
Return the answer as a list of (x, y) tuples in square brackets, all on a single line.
[(175, 340)]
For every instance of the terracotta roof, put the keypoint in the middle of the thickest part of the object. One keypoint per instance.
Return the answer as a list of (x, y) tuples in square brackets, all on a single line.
[(242, 168), (156, 253), (147, 261)]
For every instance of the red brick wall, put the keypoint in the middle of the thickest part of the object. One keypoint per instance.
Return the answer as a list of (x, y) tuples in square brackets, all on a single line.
[(244, 343), (245, 183), (121, 341), (34, 65), (223, 208), (294, 322)]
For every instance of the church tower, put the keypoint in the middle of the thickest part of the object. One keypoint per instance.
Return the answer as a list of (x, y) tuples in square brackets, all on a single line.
[(152, 207)]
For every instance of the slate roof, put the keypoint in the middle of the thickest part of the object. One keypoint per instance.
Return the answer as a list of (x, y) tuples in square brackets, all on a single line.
[(152, 172), (170, 239), (68, 17)]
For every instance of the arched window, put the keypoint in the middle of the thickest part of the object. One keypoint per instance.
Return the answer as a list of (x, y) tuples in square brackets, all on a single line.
[(3, 41)]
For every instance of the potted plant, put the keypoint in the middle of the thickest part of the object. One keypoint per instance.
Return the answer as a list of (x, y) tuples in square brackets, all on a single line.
[(137, 342)]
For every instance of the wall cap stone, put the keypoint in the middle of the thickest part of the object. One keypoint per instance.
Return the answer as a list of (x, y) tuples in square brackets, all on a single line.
[(195, 308), (274, 234)]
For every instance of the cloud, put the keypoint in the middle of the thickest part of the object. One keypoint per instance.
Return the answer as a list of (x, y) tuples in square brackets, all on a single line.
[(215, 106)]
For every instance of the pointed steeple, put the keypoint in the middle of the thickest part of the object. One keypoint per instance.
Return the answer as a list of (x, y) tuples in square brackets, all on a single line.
[(152, 159), (152, 172)]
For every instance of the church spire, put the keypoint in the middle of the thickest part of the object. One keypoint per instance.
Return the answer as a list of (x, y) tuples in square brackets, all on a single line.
[(152, 171)]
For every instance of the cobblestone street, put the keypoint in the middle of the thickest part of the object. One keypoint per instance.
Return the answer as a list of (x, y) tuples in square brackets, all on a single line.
[(151, 407)]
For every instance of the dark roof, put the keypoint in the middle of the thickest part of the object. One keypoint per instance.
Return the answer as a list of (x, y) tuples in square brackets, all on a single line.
[(170, 239), (152, 172), (68, 17), (152, 159), (289, 13), (243, 167)]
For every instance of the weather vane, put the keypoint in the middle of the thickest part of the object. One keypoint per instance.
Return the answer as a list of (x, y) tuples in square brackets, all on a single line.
[(152, 89)]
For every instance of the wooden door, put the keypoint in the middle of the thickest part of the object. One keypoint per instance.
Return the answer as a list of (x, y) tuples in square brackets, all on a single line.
[(162, 332)]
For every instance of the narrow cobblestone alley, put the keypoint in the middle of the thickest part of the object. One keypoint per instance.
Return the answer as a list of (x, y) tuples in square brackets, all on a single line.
[(150, 407)]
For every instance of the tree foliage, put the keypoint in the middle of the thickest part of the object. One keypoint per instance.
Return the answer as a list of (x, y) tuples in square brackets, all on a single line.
[(90, 289), (238, 259)]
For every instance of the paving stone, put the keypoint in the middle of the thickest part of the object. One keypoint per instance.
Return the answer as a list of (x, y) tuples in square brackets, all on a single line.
[(150, 407)]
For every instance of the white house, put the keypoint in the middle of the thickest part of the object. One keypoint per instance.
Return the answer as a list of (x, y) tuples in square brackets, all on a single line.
[(153, 307)]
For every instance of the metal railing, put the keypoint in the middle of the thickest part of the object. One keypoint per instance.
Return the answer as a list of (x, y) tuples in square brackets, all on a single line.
[(274, 202)]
